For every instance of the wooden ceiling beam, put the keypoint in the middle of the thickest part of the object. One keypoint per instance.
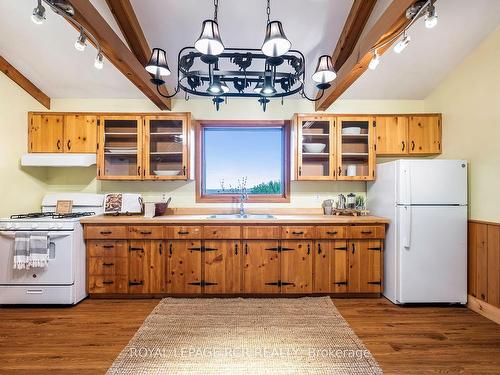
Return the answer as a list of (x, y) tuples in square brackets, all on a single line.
[(129, 25), (353, 27), (390, 22), (24, 82), (117, 52)]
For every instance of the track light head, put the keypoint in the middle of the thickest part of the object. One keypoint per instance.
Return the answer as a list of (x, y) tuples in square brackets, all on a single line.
[(81, 42), (402, 44), (99, 61), (38, 15), (431, 18), (374, 61)]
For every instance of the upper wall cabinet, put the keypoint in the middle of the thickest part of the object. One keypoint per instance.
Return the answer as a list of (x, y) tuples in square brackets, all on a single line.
[(166, 147), (151, 147), (120, 148), (62, 133), (355, 150), (408, 135), (316, 147)]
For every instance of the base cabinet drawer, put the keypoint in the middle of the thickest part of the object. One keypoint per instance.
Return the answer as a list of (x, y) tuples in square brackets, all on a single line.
[(151, 232), (105, 232), (333, 232), (222, 232), (108, 284), (183, 232), (298, 232), (107, 249), (364, 231), (256, 232), (108, 266)]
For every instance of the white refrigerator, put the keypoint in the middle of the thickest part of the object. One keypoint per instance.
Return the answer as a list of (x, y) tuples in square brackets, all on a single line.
[(425, 257)]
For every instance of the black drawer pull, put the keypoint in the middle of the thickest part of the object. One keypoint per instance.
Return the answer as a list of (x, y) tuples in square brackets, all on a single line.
[(246, 248), (105, 232), (341, 283), (366, 232), (170, 249), (297, 233), (236, 249), (108, 282), (375, 248), (132, 283), (181, 232), (308, 249), (108, 246), (319, 248), (341, 248), (136, 248), (353, 248), (332, 233), (146, 232), (108, 264)]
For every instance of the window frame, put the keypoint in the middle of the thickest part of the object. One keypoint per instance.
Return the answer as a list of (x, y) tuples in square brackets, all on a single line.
[(234, 198)]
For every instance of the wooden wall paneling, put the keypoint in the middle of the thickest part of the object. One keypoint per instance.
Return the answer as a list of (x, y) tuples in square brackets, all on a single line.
[(482, 261), (493, 296), (472, 260)]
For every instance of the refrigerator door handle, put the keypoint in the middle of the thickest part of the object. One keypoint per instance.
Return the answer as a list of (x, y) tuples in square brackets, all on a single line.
[(407, 227), (408, 184)]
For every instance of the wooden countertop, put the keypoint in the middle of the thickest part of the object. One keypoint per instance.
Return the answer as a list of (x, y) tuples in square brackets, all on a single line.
[(204, 219)]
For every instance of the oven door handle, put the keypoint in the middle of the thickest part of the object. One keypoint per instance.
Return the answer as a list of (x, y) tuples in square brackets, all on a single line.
[(52, 235)]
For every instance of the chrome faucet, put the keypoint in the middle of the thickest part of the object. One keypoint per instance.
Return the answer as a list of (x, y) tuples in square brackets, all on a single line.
[(243, 198)]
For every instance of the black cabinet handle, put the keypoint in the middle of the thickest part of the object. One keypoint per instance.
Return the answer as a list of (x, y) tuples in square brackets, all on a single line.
[(308, 249), (341, 248), (236, 249), (160, 248), (146, 232), (139, 170), (353, 248), (340, 171), (108, 264), (69, 144), (182, 232), (105, 232), (366, 232), (108, 282), (132, 283), (58, 144), (135, 248), (300, 171), (319, 248), (108, 246), (246, 248), (402, 145), (412, 145), (332, 233), (184, 170), (170, 249), (297, 233)]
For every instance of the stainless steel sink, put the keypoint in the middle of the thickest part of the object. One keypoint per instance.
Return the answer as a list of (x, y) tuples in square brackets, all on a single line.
[(238, 216)]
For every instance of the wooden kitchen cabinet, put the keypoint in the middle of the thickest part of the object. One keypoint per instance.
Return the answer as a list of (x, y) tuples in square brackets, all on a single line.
[(365, 271), (184, 267), (340, 265), (296, 266), (158, 267), (80, 134), (166, 154), (138, 271), (315, 147), (120, 148), (261, 266), (391, 135), (222, 266), (424, 134), (355, 148), (46, 133), (323, 266)]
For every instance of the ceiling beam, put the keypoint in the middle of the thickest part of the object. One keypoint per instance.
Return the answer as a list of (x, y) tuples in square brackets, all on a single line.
[(117, 52), (129, 25), (390, 22), (353, 27), (24, 82)]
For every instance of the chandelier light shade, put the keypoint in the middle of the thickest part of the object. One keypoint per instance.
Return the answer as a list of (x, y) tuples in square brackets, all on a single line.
[(275, 42), (209, 42), (325, 72), (157, 64)]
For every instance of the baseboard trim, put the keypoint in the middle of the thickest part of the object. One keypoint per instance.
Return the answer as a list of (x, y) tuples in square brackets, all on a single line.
[(485, 309)]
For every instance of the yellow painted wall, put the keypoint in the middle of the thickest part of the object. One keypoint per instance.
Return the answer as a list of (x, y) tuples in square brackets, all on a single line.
[(469, 99), (21, 189)]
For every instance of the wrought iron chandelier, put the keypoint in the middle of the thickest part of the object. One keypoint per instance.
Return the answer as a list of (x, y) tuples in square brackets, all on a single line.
[(209, 69)]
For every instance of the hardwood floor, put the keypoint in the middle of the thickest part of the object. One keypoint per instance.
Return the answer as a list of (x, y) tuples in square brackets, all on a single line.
[(85, 339)]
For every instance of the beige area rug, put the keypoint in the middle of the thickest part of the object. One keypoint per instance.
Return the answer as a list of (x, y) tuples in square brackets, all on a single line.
[(245, 336)]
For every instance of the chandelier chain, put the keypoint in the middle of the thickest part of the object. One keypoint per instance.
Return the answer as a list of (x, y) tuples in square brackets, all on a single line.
[(216, 8), (268, 11)]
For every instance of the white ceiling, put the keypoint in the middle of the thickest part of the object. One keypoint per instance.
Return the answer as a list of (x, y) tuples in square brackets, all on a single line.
[(45, 53), (46, 56), (413, 74)]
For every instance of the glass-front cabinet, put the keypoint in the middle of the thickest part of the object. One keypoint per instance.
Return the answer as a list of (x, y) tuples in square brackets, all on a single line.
[(316, 147), (355, 148), (148, 147), (120, 148), (165, 147)]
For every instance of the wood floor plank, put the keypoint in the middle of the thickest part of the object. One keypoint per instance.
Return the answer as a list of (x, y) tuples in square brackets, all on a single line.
[(85, 339)]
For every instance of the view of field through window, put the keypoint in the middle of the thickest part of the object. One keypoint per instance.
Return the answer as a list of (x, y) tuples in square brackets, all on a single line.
[(251, 158)]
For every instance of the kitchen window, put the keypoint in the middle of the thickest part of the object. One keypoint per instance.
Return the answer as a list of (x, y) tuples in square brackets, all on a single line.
[(244, 156)]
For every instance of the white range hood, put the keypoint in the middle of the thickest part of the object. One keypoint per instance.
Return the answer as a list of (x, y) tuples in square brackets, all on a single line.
[(58, 160)]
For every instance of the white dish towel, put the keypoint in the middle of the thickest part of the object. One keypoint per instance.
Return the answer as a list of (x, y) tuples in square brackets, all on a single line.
[(31, 250)]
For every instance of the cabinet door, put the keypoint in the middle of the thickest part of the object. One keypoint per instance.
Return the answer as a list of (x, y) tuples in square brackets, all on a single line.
[(315, 147), (166, 154), (158, 267), (425, 135), (296, 266), (184, 267), (261, 267), (80, 134), (365, 266), (355, 148), (322, 266), (222, 267), (339, 266), (391, 135), (120, 148), (138, 266), (46, 133)]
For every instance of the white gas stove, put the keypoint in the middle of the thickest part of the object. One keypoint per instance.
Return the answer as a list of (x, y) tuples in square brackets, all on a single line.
[(63, 281)]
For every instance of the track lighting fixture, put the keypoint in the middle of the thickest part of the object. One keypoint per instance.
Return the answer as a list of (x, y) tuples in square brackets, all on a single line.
[(81, 42), (431, 18), (38, 15), (64, 9), (402, 44), (374, 61)]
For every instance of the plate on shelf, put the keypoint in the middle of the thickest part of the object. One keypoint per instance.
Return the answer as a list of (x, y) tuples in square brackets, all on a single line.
[(166, 173), (121, 150)]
